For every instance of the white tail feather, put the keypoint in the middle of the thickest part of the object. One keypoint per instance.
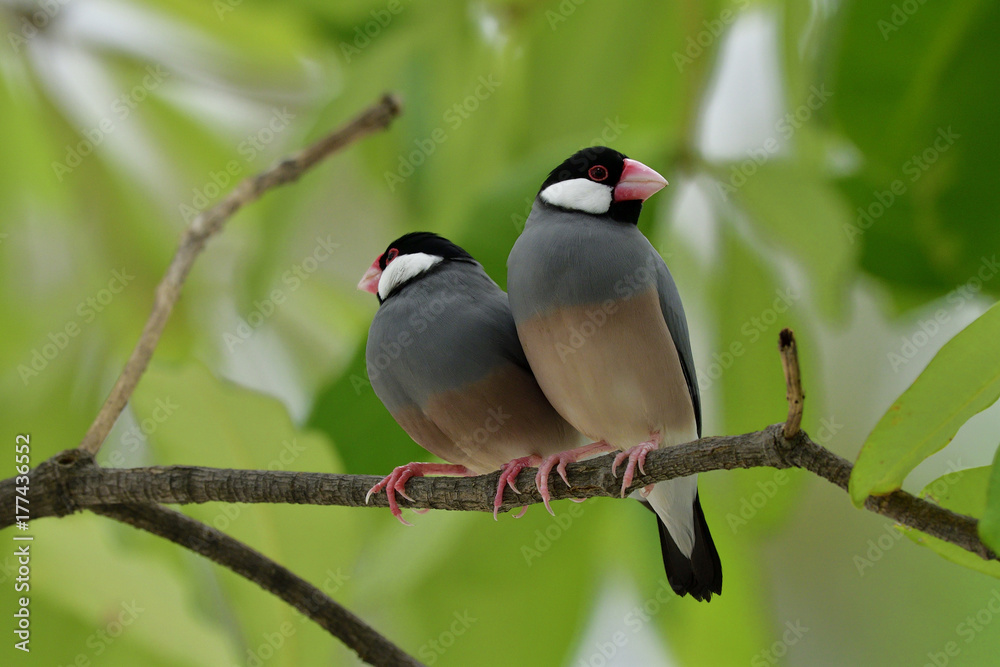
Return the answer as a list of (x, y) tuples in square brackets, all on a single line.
[(673, 501)]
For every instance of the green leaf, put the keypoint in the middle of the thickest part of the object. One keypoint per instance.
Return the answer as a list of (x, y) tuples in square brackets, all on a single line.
[(961, 380), (193, 418), (964, 492), (908, 95), (989, 524)]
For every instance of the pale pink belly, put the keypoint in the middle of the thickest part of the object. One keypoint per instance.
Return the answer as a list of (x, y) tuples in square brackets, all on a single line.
[(612, 371)]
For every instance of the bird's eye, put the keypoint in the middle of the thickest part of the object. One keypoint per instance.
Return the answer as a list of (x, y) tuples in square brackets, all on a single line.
[(391, 255), (597, 173)]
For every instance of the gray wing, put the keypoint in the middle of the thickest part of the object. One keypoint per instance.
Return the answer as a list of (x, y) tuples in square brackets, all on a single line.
[(673, 313), (458, 365), (445, 331)]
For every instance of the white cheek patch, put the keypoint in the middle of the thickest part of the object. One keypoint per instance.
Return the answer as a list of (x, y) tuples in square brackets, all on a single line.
[(402, 269), (579, 194)]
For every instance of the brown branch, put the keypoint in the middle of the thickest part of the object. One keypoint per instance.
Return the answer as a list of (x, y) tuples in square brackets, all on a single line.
[(203, 227), (793, 382), (71, 481), (54, 475), (370, 646)]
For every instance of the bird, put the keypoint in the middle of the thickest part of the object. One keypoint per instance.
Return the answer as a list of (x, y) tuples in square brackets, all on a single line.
[(444, 358), (603, 328)]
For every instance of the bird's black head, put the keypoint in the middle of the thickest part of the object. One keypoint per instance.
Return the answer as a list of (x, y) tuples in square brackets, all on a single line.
[(601, 181), (427, 243), (406, 259)]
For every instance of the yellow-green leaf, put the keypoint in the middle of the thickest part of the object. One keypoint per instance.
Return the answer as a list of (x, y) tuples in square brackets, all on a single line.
[(989, 523), (964, 492), (961, 380)]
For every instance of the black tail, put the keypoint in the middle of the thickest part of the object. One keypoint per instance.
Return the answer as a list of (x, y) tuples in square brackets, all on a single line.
[(700, 575)]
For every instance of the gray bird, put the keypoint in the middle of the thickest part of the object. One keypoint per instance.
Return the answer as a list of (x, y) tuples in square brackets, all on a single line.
[(444, 358), (602, 326)]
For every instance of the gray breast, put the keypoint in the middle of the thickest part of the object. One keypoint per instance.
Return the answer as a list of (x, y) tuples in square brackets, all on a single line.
[(569, 259), (446, 330)]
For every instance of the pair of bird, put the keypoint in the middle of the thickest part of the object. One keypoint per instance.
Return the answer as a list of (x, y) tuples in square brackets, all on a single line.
[(591, 340)]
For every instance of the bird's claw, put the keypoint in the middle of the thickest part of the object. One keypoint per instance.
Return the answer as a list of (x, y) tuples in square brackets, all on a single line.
[(636, 456), (508, 475), (395, 482), (559, 461)]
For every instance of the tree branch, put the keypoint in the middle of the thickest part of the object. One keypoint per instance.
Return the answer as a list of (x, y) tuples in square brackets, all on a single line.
[(370, 646), (203, 227), (793, 382), (53, 477), (71, 481)]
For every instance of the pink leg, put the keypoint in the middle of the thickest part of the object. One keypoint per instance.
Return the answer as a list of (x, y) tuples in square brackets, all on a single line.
[(562, 458), (395, 482), (635, 455), (508, 474)]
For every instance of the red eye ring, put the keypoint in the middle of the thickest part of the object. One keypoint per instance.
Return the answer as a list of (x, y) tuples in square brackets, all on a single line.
[(598, 172), (392, 254)]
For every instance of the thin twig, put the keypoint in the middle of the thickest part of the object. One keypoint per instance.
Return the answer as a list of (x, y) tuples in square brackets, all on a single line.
[(370, 646), (793, 382), (71, 481), (193, 240)]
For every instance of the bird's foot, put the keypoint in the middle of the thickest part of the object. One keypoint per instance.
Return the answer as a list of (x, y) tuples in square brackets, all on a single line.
[(508, 475), (395, 482), (635, 456), (559, 461)]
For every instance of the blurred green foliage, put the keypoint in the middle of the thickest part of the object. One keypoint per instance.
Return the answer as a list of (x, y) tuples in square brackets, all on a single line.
[(874, 173), (961, 381)]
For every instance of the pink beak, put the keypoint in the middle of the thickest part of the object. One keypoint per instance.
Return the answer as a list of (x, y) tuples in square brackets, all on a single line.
[(369, 281), (638, 182)]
